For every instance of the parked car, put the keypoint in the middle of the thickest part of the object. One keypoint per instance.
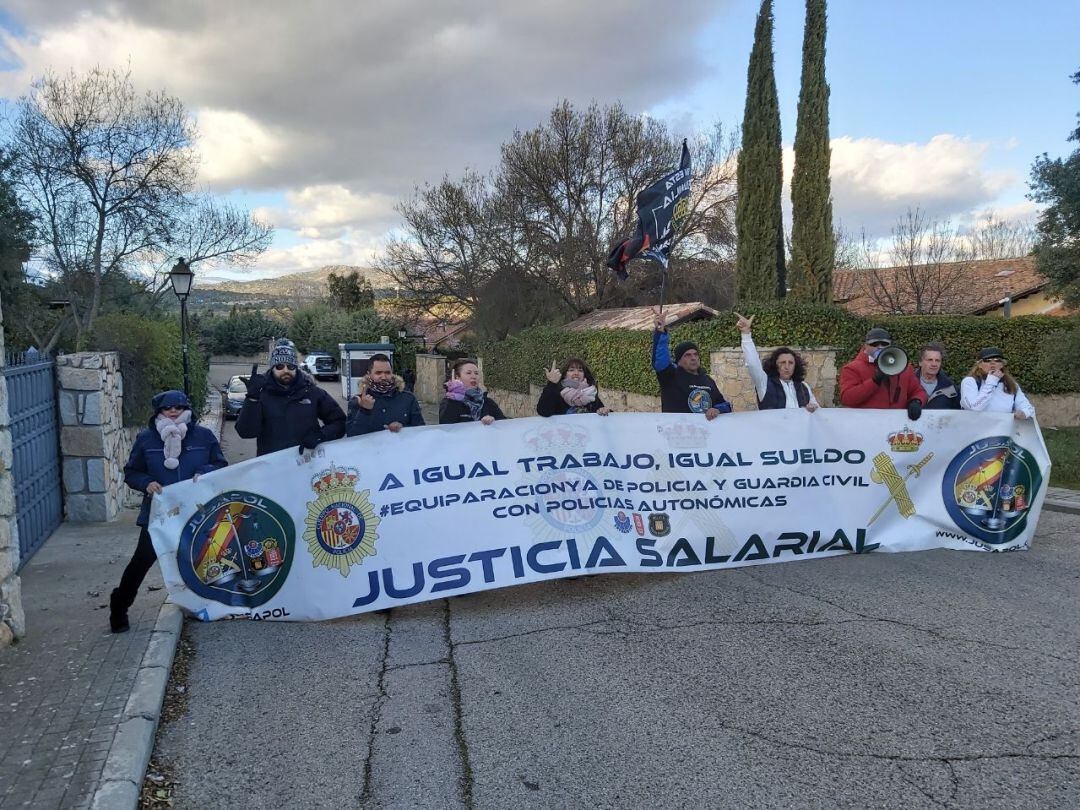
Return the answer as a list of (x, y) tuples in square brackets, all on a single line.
[(235, 391), (321, 365)]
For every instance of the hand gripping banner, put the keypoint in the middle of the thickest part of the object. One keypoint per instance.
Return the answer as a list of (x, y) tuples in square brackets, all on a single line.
[(389, 519)]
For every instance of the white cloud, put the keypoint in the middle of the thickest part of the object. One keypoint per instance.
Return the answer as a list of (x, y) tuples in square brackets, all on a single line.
[(378, 97), (352, 248), (875, 182), (327, 210), (234, 147), (346, 107)]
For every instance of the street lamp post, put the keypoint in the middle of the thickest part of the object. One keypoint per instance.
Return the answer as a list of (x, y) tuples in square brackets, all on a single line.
[(403, 335), (181, 278)]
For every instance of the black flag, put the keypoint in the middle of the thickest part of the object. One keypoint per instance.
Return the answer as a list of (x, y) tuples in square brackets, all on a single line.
[(661, 208)]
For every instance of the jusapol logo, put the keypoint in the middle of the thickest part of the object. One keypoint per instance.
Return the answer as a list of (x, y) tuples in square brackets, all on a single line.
[(237, 549), (989, 487)]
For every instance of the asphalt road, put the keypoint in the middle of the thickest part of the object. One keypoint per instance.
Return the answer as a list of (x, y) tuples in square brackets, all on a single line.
[(939, 678)]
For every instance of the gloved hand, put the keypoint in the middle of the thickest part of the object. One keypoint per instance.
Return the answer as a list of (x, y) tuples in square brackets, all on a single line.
[(255, 383), (914, 410), (310, 441), (880, 376)]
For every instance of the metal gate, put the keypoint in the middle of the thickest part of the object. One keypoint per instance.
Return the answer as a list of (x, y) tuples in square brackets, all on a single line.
[(35, 446)]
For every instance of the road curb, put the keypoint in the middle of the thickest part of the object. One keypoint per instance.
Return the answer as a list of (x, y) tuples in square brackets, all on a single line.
[(129, 754), (1061, 506)]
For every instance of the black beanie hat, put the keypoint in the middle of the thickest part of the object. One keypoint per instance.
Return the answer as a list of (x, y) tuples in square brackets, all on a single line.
[(684, 347)]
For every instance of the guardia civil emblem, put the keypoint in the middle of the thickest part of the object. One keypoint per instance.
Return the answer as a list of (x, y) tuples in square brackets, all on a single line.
[(237, 549), (340, 521)]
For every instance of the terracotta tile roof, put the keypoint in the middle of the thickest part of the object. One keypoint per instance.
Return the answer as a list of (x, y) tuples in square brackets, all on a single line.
[(985, 283), (640, 317)]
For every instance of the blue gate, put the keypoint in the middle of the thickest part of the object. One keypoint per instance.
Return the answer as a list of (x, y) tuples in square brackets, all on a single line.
[(35, 446)]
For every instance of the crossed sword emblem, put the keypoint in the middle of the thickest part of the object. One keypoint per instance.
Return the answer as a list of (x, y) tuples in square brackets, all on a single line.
[(885, 472)]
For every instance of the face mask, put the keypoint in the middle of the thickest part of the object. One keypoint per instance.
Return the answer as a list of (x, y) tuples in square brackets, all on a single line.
[(381, 386)]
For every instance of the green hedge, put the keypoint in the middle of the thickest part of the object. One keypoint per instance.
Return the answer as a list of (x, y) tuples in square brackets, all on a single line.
[(240, 333), (621, 358), (320, 327), (150, 360)]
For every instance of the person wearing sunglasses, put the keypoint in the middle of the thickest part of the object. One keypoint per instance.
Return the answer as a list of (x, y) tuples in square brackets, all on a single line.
[(864, 385), (989, 387), (286, 408), (171, 448)]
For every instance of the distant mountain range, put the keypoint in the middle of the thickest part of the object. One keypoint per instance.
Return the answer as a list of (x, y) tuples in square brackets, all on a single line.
[(294, 289), (308, 280)]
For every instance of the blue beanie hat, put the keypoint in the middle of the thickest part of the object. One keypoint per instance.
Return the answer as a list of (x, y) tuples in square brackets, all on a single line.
[(170, 399)]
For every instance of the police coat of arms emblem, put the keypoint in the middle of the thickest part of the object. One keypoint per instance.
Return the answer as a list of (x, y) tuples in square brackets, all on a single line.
[(340, 521)]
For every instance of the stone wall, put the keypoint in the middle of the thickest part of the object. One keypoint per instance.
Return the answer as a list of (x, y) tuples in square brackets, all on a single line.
[(1056, 410), (516, 404), (93, 441), (12, 620), (729, 370), (430, 376)]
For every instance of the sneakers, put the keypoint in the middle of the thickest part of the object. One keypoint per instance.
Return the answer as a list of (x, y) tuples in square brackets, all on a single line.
[(118, 618)]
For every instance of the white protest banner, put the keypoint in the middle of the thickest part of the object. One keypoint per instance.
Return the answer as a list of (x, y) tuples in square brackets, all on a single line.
[(388, 519)]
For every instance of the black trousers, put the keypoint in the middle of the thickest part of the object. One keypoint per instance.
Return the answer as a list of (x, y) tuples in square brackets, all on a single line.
[(141, 562)]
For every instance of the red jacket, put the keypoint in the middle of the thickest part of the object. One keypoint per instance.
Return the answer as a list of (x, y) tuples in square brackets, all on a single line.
[(858, 389)]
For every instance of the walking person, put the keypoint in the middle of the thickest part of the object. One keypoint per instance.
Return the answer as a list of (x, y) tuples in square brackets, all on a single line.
[(286, 408), (383, 402), (169, 449), (779, 381), (465, 401), (941, 391), (991, 388), (864, 385), (684, 387), (571, 388)]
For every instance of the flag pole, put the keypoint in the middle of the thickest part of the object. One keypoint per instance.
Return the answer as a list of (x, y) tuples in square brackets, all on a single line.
[(663, 288)]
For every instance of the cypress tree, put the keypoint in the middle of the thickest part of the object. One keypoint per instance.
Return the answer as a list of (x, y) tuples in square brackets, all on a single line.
[(813, 243), (759, 221)]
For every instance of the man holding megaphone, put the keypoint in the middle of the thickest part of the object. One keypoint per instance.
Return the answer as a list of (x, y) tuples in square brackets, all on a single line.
[(881, 377)]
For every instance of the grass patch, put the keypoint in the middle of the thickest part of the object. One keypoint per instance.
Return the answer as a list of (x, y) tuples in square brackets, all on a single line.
[(1064, 447)]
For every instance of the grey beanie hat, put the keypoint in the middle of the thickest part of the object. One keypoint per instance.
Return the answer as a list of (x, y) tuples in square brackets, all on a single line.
[(283, 352)]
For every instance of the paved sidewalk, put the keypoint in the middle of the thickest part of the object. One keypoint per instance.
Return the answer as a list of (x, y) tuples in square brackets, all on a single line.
[(80, 704), (66, 685), (1059, 499)]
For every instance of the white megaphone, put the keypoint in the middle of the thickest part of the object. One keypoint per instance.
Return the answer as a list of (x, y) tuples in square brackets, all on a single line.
[(892, 360)]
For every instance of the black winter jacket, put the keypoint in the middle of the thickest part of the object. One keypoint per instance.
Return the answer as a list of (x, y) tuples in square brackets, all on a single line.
[(397, 406), (282, 417), (452, 412), (551, 402)]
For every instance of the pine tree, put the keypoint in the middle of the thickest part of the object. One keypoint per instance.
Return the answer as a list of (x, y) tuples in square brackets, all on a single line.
[(813, 243), (759, 257)]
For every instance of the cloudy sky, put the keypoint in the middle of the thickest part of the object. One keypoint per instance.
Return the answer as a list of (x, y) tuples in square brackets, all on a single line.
[(322, 115)]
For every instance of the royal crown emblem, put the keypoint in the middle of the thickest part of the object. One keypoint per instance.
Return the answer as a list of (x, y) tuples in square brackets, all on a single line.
[(905, 440), (340, 521)]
